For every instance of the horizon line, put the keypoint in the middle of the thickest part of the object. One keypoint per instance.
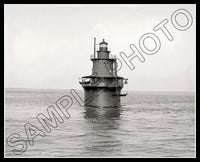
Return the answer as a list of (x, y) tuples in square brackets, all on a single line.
[(83, 90)]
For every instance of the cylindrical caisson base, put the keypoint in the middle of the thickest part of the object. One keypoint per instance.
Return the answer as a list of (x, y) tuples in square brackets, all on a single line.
[(102, 97)]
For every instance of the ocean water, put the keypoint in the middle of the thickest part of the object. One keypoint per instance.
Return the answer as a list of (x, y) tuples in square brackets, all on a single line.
[(147, 125)]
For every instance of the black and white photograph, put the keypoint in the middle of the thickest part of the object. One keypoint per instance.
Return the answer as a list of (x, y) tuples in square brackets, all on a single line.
[(100, 80)]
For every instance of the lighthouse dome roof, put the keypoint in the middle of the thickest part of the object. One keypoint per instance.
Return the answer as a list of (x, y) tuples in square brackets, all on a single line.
[(103, 42)]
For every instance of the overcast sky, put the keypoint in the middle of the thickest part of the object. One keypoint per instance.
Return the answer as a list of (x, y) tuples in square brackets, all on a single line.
[(49, 46)]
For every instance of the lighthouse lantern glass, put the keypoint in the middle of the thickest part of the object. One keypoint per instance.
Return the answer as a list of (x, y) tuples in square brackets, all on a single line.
[(103, 45)]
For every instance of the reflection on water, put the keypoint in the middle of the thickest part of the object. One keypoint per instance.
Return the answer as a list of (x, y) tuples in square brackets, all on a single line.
[(99, 113), (102, 126)]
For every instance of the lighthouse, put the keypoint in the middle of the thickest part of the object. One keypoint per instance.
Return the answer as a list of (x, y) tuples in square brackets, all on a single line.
[(103, 87)]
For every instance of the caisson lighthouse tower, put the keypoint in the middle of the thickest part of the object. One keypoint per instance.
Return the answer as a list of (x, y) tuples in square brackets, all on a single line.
[(103, 87)]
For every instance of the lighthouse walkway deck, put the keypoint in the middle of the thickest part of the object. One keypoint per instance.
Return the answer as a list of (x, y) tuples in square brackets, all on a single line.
[(90, 81)]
